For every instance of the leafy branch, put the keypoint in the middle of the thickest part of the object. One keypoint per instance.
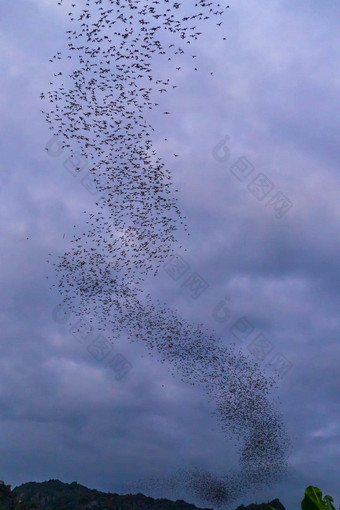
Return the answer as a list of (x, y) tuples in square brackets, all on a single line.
[(313, 500)]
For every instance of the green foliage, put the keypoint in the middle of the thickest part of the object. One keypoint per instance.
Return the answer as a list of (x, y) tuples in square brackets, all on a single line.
[(328, 502), (313, 500)]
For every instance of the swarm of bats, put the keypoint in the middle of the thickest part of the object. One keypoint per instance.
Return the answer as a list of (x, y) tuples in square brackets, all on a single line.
[(105, 83)]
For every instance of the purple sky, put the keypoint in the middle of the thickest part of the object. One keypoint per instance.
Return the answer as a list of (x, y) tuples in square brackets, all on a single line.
[(274, 92)]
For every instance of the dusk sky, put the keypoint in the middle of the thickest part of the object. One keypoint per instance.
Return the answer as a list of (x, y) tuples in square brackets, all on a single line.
[(256, 130)]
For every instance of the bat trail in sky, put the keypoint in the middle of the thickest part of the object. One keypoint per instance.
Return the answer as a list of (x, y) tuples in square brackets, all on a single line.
[(99, 109)]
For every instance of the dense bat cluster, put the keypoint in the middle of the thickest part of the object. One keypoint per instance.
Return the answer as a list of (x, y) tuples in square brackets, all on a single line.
[(115, 51), (239, 390)]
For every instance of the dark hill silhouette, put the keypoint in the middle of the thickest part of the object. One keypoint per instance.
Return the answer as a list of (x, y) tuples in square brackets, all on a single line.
[(262, 506), (57, 495)]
